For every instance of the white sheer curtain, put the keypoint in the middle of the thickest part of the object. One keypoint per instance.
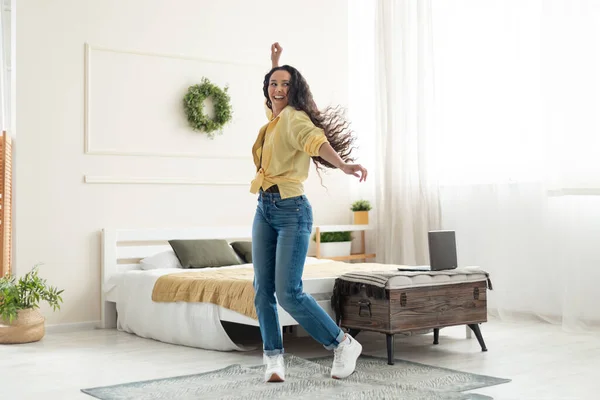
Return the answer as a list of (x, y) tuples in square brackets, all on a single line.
[(516, 103), (518, 100), (406, 193)]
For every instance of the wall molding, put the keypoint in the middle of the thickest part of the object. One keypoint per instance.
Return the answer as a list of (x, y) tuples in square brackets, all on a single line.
[(574, 192), (87, 133), (132, 180)]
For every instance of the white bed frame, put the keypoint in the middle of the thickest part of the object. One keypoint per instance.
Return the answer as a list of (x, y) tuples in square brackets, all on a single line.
[(123, 248)]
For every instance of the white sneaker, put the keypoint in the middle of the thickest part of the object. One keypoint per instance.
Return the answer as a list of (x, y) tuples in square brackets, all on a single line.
[(275, 371), (344, 358)]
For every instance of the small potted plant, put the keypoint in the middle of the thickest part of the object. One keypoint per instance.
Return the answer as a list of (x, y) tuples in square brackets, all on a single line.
[(335, 244), (20, 321), (361, 210)]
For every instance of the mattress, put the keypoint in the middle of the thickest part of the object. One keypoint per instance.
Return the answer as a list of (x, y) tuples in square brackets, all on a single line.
[(189, 324)]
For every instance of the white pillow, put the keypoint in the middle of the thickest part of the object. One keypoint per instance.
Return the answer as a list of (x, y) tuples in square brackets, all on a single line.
[(166, 259)]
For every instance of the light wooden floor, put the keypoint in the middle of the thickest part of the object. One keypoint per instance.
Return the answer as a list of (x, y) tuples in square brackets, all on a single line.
[(542, 361)]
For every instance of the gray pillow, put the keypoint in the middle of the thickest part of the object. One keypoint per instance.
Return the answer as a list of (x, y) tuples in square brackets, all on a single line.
[(244, 250), (204, 253)]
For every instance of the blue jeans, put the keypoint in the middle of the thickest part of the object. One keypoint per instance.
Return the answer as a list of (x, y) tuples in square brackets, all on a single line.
[(280, 237)]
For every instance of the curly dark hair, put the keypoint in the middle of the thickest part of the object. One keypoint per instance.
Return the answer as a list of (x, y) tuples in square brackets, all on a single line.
[(331, 120)]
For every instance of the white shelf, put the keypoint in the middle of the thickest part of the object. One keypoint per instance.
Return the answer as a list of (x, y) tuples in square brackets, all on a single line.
[(362, 255), (342, 228)]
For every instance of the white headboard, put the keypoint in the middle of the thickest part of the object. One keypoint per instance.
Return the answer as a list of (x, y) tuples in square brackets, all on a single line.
[(123, 248)]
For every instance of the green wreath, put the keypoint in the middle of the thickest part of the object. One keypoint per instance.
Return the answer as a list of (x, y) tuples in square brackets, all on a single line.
[(193, 105)]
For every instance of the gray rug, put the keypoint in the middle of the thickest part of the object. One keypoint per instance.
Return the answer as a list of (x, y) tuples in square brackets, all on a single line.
[(309, 379)]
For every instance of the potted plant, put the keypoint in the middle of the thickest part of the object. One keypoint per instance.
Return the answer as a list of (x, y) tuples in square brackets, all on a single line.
[(361, 210), (20, 321), (335, 244)]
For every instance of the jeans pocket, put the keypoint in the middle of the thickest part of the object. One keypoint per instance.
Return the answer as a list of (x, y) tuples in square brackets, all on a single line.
[(292, 204)]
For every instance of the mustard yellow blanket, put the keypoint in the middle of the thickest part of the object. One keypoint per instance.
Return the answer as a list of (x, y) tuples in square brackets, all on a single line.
[(233, 289)]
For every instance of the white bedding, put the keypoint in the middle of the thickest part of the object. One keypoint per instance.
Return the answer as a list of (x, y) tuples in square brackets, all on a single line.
[(189, 324)]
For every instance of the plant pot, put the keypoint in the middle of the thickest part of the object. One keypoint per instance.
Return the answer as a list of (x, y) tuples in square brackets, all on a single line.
[(335, 249), (29, 326), (361, 218)]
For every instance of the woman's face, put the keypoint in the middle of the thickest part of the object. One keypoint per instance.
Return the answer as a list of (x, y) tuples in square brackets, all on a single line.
[(279, 87)]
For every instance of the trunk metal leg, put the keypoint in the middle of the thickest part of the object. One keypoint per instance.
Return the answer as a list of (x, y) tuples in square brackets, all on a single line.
[(390, 348), (478, 335)]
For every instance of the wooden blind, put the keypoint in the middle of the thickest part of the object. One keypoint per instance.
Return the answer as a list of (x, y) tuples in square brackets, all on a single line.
[(5, 203)]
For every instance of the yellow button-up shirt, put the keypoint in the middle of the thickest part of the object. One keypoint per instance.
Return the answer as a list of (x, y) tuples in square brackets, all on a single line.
[(290, 139)]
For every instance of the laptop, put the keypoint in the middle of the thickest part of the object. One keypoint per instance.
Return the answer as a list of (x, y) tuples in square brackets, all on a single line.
[(442, 253)]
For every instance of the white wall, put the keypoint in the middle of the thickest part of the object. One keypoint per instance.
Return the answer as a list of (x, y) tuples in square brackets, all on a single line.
[(58, 216)]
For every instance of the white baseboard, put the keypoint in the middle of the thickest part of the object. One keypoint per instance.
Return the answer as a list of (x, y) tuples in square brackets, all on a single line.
[(78, 326)]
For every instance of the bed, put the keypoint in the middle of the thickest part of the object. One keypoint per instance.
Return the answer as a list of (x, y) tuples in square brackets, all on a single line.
[(127, 290)]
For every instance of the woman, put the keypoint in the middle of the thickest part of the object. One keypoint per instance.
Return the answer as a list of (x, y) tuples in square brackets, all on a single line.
[(297, 131)]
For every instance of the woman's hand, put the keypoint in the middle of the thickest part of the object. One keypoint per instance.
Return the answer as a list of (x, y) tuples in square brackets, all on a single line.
[(276, 50), (327, 153), (354, 169)]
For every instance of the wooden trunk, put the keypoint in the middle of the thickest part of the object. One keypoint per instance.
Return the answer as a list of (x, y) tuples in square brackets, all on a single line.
[(417, 308)]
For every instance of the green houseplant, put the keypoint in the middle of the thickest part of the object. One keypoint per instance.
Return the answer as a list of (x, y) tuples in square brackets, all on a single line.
[(335, 244), (20, 321), (361, 210)]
